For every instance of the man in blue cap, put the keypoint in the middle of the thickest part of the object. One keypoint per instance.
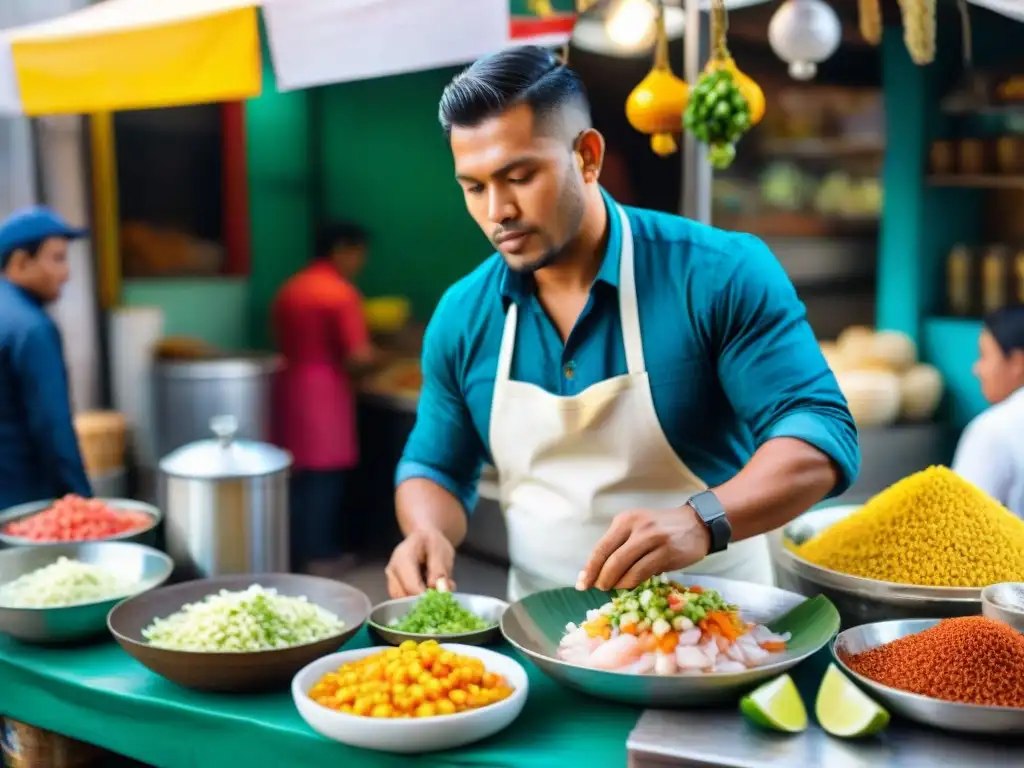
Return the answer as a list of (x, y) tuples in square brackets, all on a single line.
[(39, 455)]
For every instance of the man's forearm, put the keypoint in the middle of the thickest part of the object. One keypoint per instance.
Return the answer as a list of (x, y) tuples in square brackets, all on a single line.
[(422, 503), (784, 478)]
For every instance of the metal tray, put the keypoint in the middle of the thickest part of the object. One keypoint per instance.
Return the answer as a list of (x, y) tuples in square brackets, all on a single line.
[(945, 715), (861, 600)]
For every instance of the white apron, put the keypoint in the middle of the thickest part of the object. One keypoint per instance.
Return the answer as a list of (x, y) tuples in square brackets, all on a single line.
[(568, 465)]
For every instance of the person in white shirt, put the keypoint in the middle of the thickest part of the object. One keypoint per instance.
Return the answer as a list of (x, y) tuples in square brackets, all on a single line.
[(990, 453)]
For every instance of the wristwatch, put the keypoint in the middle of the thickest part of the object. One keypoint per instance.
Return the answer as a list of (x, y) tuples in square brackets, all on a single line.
[(710, 510)]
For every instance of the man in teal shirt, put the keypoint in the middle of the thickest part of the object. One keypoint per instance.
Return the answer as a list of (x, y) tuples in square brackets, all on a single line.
[(648, 388)]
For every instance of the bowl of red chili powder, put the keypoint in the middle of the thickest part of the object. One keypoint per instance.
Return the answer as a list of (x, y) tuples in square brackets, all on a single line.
[(962, 674)]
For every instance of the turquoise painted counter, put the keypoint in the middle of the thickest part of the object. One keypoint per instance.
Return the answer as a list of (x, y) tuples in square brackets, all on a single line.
[(101, 695)]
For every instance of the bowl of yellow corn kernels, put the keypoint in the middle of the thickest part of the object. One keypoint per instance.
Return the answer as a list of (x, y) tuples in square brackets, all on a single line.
[(418, 697)]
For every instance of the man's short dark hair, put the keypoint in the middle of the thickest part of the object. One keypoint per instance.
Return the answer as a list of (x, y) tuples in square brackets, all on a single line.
[(32, 248), (525, 74), (1007, 327), (337, 236)]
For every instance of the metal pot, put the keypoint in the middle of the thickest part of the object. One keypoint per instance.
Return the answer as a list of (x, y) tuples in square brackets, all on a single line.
[(188, 393), (226, 504)]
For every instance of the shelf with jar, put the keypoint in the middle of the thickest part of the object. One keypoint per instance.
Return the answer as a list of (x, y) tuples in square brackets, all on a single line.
[(811, 169), (978, 162), (982, 279)]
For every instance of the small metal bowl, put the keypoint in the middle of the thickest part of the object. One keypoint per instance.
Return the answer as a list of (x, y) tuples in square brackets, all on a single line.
[(1004, 602), (944, 715), (145, 535), (487, 608), (147, 567)]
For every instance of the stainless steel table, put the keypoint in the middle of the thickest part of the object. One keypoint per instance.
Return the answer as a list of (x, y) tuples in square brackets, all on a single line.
[(721, 738)]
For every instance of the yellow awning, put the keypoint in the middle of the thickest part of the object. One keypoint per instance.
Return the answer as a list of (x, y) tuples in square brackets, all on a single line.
[(133, 54)]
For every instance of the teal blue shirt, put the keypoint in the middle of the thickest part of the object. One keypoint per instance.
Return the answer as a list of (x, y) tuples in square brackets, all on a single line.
[(731, 359)]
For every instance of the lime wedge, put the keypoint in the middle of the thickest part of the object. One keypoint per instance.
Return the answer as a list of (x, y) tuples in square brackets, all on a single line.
[(776, 705), (845, 710)]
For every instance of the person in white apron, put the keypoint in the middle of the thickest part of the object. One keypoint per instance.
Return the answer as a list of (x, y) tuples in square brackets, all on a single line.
[(592, 489)]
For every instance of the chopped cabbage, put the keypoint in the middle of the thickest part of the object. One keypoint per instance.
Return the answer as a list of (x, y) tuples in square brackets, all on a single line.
[(63, 583), (255, 619)]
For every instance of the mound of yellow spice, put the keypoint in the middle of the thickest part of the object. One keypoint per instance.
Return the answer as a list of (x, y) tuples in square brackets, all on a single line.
[(931, 529)]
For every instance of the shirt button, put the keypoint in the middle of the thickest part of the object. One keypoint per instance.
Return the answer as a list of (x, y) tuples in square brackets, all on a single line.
[(570, 370)]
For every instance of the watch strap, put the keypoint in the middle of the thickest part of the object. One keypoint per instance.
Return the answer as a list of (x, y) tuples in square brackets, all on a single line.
[(710, 510)]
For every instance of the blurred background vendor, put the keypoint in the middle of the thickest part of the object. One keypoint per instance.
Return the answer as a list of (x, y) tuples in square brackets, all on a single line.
[(321, 332), (991, 450), (39, 454)]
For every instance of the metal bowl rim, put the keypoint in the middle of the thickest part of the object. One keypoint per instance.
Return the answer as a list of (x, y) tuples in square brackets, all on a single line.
[(449, 636), (891, 591), (1014, 610), (349, 628), (915, 697), (168, 564), (17, 512), (738, 677)]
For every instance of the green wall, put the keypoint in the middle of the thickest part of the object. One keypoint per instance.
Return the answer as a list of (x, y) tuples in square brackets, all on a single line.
[(386, 165), (370, 152), (921, 223), (213, 309), (281, 177)]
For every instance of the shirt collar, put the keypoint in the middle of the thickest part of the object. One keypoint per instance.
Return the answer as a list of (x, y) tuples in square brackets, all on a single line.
[(22, 291), (517, 287)]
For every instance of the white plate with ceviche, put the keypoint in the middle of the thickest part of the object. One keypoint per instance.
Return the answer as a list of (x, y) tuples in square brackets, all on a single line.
[(63, 593), (677, 640), (238, 633), (414, 698)]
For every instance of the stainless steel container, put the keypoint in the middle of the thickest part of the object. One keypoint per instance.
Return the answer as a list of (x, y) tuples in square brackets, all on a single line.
[(188, 393), (226, 504), (860, 600)]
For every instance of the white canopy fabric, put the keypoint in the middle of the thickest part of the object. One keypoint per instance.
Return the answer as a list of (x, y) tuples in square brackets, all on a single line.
[(1013, 9), (314, 42)]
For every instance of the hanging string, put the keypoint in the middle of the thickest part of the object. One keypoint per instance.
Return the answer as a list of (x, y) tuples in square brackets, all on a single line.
[(965, 29), (661, 60), (719, 29)]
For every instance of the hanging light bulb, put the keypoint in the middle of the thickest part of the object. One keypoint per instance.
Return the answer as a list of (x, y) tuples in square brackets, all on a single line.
[(804, 33), (632, 24), (625, 28)]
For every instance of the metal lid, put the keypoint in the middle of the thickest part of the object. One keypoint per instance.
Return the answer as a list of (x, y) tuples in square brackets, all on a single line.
[(220, 366), (225, 457)]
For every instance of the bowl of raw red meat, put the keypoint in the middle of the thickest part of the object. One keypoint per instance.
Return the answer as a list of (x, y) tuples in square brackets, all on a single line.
[(680, 640), (75, 519)]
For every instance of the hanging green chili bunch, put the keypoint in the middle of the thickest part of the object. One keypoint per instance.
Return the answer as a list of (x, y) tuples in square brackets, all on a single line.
[(718, 114)]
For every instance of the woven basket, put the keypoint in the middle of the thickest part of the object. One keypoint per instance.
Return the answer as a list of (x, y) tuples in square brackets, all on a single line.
[(25, 746), (101, 439)]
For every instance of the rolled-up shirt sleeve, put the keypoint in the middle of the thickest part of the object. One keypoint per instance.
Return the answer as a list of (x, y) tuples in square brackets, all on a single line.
[(39, 362), (770, 364), (444, 445)]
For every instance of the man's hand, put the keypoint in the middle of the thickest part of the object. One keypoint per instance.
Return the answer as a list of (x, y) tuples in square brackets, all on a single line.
[(642, 543), (424, 547)]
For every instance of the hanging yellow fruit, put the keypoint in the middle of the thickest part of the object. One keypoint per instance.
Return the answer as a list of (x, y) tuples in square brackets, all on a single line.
[(656, 105), (751, 90)]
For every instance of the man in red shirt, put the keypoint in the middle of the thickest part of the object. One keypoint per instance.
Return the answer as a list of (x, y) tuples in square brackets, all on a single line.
[(321, 332)]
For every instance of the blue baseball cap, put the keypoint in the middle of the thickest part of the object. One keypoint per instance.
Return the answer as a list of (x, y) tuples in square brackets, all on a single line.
[(33, 225)]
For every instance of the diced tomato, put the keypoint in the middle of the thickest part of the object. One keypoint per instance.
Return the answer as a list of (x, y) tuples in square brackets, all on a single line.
[(76, 519), (667, 643)]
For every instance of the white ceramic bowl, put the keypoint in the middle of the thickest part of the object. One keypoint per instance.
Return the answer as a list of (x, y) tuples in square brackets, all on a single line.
[(415, 735)]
